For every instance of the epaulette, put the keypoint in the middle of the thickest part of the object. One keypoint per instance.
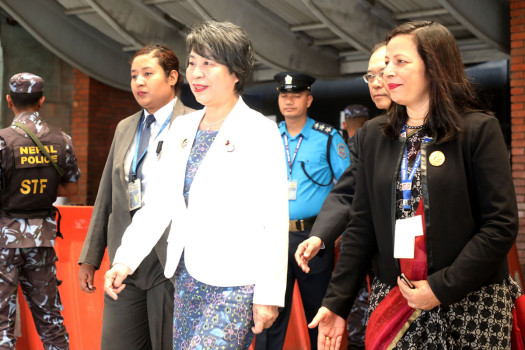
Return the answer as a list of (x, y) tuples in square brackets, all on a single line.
[(322, 127)]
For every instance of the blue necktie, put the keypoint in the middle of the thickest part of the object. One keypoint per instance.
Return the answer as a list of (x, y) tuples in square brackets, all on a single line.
[(144, 140)]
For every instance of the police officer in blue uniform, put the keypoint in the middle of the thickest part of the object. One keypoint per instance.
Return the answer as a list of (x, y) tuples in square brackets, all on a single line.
[(316, 155)]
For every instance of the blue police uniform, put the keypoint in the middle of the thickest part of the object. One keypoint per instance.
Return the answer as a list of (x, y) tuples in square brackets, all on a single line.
[(314, 176), (312, 153)]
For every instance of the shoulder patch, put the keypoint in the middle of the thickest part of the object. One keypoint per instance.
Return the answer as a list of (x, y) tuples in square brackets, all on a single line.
[(322, 127), (341, 150)]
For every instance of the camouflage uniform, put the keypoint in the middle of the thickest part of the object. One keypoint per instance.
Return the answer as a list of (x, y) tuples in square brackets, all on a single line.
[(27, 257)]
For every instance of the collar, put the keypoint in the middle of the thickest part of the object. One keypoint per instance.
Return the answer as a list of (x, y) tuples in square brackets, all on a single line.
[(32, 120), (162, 114), (306, 130), (232, 122), (23, 116)]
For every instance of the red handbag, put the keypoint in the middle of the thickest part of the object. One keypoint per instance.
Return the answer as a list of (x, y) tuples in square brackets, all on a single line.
[(518, 324)]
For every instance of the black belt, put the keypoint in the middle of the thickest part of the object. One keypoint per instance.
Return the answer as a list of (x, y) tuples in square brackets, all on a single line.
[(302, 225)]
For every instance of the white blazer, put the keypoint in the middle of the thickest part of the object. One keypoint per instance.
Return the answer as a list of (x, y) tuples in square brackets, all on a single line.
[(234, 231)]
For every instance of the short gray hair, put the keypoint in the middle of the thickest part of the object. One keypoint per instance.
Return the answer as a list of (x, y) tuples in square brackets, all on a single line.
[(225, 43)]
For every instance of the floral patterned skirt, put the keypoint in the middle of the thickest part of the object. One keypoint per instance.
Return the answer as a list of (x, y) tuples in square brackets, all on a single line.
[(481, 320), (209, 317)]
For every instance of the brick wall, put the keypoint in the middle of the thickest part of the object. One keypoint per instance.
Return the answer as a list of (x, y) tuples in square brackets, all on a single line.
[(517, 93), (97, 109)]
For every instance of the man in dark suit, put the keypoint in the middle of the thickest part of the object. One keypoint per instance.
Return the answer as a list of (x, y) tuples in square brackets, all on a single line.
[(335, 212), (142, 317)]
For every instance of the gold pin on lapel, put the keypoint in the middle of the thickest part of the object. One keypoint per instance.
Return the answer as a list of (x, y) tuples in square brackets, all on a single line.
[(184, 143), (437, 158)]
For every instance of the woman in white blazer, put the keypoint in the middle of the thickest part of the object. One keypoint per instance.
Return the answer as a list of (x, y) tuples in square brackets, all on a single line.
[(222, 184)]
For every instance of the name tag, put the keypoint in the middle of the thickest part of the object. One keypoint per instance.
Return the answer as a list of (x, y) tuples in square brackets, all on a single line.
[(135, 195), (406, 232), (292, 190)]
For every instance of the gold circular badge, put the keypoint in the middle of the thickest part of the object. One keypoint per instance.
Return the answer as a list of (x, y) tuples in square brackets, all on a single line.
[(437, 158), (184, 143)]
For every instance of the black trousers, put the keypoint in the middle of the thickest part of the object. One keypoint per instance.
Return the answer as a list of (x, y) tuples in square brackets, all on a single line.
[(312, 287), (142, 316)]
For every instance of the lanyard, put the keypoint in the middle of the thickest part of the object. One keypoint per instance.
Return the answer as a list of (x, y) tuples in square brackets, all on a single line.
[(406, 179), (136, 159), (291, 160)]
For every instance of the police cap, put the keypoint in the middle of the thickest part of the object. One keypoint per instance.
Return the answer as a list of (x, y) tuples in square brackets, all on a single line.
[(26, 83), (354, 111), (293, 82)]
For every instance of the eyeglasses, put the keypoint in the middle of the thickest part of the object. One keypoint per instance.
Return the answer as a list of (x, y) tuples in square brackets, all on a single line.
[(369, 78)]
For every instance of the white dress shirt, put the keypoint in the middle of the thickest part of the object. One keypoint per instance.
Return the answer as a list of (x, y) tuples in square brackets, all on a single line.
[(151, 157)]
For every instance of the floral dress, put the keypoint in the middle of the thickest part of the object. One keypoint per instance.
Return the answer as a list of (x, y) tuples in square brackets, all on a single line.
[(205, 316)]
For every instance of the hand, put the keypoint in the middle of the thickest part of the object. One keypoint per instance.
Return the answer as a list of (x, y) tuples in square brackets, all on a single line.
[(113, 280), (422, 297), (331, 329), (263, 317), (86, 273), (306, 252)]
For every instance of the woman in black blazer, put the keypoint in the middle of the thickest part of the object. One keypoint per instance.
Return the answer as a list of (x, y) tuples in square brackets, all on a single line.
[(434, 201)]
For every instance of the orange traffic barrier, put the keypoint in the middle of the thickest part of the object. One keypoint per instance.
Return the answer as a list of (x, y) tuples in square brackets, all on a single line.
[(297, 337), (83, 312)]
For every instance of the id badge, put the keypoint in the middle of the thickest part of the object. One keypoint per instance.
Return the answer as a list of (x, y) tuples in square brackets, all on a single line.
[(292, 190), (405, 236), (135, 200)]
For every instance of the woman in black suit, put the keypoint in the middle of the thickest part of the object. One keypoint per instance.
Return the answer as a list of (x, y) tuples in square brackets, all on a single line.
[(434, 201)]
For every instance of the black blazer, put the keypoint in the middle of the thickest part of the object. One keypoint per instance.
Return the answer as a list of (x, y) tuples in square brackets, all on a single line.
[(334, 215), (471, 213)]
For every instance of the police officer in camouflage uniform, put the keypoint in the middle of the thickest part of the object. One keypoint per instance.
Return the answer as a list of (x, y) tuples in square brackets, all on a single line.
[(355, 117), (30, 185)]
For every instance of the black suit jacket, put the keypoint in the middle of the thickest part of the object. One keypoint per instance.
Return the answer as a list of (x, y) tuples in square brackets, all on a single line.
[(334, 215), (471, 215)]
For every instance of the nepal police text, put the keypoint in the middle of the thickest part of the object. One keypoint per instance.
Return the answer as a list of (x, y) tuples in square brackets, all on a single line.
[(38, 157)]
